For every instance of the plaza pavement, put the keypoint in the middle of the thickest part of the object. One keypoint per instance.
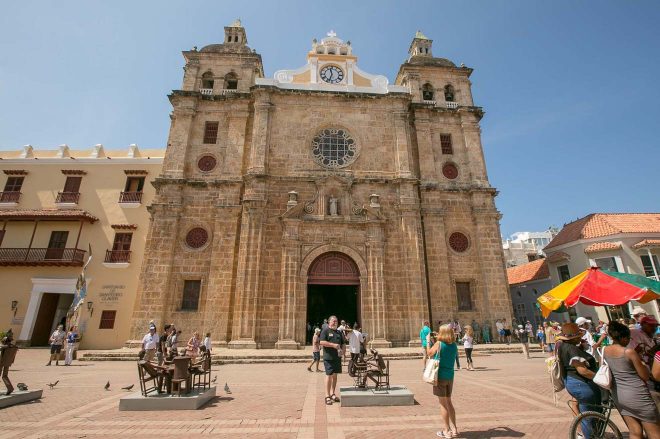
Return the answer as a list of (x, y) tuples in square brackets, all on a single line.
[(507, 397)]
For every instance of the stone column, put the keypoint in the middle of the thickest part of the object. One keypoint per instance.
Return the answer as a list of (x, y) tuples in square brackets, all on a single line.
[(260, 133), (248, 278), (155, 290), (178, 140), (238, 120), (402, 144), (222, 277), (496, 300), (373, 299), (415, 274), (475, 153), (289, 289), (425, 148)]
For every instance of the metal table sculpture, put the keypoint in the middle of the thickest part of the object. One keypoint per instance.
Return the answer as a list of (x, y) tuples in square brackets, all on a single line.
[(173, 374), (8, 351), (372, 367)]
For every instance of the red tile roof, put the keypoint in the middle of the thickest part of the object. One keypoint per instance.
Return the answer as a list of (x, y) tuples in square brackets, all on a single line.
[(558, 256), (47, 214), (597, 225), (602, 246), (534, 270), (647, 243)]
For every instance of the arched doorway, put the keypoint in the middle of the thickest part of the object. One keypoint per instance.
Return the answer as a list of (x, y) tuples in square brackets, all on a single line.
[(333, 288)]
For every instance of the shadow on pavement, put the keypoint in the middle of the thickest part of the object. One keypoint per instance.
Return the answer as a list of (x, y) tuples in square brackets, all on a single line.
[(491, 433)]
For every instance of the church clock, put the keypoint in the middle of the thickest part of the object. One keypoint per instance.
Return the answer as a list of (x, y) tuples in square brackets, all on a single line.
[(332, 74)]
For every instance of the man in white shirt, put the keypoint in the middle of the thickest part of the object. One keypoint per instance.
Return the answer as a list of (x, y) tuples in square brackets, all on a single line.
[(150, 343), (355, 340), (56, 342), (500, 330), (588, 343)]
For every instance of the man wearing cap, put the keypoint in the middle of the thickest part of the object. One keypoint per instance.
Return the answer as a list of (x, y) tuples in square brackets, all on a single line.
[(588, 343), (150, 343), (641, 340), (638, 314)]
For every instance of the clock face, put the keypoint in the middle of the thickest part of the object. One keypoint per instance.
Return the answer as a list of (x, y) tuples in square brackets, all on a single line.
[(332, 74)]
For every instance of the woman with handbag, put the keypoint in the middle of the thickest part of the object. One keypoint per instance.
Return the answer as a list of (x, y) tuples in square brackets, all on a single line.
[(628, 385), (444, 350)]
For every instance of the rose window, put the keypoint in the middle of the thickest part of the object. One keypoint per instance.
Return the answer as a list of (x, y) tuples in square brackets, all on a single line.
[(206, 163), (450, 171), (458, 242), (197, 237), (334, 148)]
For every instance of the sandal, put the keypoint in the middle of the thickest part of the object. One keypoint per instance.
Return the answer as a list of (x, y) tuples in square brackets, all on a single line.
[(442, 433), (328, 400), (334, 398)]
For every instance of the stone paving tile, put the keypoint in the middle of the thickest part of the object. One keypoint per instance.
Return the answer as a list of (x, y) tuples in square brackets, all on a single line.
[(508, 398)]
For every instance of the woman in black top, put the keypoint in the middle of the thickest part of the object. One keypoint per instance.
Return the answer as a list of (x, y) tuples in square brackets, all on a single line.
[(579, 369)]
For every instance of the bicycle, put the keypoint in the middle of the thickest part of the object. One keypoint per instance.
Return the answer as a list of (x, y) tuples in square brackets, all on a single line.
[(601, 425)]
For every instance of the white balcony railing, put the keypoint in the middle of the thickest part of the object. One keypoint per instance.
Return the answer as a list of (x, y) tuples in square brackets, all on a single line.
[(227, 91), (206, 91), (428, 102), (452, 105)]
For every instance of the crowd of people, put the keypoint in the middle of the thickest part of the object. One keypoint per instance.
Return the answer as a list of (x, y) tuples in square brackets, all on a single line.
[(165, 346), (631, 351)]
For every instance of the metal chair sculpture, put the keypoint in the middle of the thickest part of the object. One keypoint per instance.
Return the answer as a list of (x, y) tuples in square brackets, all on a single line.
[(372, 367), (202, 372), (150, 376), (181, 374)]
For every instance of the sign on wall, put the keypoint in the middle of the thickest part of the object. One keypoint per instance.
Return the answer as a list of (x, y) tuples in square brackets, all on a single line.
[(111, 293)]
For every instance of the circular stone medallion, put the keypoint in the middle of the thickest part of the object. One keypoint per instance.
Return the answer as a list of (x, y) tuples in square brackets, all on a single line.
[(206, 163), (459, 242), (334, 148), (450, 171), (197, 238)]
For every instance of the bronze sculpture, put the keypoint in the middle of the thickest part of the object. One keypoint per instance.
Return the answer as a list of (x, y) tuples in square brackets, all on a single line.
[(8, 351)]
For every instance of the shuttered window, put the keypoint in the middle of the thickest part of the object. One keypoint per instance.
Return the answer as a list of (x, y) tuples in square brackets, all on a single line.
[(72, 184), (210, 132), (107, 319), (191, 290), (464, 296), (445, 144), (14, 184)]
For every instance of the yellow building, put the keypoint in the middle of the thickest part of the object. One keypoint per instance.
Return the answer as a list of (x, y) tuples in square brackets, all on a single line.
[(56, 205)]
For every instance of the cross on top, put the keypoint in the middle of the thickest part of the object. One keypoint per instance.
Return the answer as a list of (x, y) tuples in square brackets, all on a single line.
[(332, 34)]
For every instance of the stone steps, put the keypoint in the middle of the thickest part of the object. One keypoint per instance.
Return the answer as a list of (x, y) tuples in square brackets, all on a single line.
[(301, 356)]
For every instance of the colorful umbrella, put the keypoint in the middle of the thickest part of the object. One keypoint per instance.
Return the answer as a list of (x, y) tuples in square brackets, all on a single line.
[(600, 288)]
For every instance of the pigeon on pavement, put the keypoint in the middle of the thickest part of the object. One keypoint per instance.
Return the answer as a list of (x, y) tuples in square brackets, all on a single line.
[(227, 388), (128, 387), (107, 386), (51, 385), (215, 379)]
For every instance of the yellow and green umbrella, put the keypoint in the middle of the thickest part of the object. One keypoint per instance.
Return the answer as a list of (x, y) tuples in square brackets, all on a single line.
[(598, 287)]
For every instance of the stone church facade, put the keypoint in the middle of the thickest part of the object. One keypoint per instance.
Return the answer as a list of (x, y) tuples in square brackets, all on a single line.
[(324, 189)]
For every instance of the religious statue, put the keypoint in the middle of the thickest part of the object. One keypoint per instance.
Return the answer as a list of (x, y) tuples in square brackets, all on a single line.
[(333, 206), (8, 351)]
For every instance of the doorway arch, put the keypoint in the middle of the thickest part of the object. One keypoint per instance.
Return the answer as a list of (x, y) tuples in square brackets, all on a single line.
[(333, 288)]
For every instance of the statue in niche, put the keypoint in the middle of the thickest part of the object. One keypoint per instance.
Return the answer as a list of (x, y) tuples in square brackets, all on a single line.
[(333, 206)]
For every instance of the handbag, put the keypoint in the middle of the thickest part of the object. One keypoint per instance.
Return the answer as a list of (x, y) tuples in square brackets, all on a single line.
[(431, 370), (604, 375)]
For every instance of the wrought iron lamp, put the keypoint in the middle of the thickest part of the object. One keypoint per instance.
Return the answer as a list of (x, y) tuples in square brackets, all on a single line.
[(90, 307), (14, 306)]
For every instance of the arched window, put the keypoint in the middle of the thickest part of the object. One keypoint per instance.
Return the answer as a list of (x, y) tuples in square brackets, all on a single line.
[(449, 93), (231, 81), (236, 39), (427, 92), (207, 80)]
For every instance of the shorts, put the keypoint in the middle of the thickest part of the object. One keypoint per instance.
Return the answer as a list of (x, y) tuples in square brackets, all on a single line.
[(316, 355), (507, 333), (443, 388), (551, 347), (332, 367), (55, 348), (501, 332)]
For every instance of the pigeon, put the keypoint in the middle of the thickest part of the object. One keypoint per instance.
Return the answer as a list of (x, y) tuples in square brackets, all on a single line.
[(128, 387), (51, 385), (22, 387), (107, 386), (227, 388), (215, 379)]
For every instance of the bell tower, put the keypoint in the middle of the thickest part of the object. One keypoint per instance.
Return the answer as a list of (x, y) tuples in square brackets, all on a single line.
[(420, 46), (235, 34)]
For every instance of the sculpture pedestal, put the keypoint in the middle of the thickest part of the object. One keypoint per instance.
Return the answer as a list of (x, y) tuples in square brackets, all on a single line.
[(357, 397), (19, 397), (135, 401), (380, 343)]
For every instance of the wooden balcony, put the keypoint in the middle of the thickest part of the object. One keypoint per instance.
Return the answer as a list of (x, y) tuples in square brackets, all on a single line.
[(69, 257), (130, 197), (67, 197), (117, 256), (10, 197)]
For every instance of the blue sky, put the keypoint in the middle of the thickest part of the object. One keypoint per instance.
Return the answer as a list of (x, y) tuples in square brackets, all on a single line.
[(570, 88)]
